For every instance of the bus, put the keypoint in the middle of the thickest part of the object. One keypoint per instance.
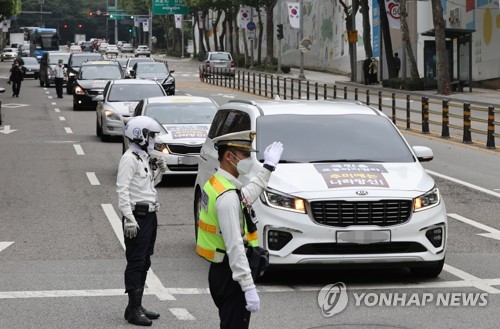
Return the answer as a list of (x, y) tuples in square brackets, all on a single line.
[(41, 40)]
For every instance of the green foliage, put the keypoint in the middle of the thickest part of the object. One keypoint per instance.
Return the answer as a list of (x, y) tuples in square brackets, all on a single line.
[(405, 84), (10, 7)]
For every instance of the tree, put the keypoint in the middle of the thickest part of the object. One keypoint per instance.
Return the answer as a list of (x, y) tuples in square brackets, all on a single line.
[(443, 78), (406, 40), (8, 8), (364, 9), (348, 25), (386, 35)]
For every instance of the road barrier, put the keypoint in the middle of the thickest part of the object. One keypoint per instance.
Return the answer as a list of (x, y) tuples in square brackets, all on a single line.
[(451, 117)]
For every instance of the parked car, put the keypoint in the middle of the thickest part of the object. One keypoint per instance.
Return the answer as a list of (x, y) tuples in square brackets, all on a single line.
[(119, 44), (32, 67), (348, 189), (48, 63), (91, 80), (103, 46), (127, 48), (75, 62), (8, 53), (142, 51), (119, 99), (112, 50), (156, 71), (217, 62), (186, 121), (131, 62)]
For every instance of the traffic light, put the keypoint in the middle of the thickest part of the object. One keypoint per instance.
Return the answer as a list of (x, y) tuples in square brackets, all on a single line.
[(280, 34), (130, 30), (131, 16), (65, 26), (110, 15), (91, 13), (80, 26)]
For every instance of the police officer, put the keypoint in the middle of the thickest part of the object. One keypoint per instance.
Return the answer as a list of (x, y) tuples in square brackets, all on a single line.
[(59, 73), (223, 232), (137, 199)]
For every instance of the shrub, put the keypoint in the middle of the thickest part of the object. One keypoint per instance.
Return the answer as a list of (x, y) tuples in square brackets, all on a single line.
[(406, 84)]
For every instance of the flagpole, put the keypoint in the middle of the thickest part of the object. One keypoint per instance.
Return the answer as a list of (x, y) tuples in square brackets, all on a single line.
[(301, 33)]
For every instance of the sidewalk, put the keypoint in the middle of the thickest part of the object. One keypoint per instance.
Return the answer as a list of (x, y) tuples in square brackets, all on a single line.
[(478, 96)]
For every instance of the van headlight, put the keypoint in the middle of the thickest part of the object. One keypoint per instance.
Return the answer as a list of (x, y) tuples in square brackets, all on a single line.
[(284, 202), (427, 200), (162, 147), (110, 115)]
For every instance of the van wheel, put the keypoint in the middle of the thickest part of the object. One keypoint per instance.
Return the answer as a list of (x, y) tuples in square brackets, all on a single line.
[(431, 270)]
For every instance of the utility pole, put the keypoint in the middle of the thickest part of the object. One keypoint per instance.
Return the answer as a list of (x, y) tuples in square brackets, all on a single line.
[(116, 24), (41, 10), (354, 46), (251, 41), (301, 33), (150, 26)]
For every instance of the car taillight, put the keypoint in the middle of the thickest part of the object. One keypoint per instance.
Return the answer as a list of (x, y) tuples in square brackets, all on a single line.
[(232, 63)]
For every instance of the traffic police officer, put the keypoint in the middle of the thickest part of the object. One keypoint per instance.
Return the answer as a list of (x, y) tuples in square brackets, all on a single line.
[(223, 231), (137, 199)]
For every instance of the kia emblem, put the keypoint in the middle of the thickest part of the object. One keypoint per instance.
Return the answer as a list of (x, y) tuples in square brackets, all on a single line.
[(361, 192)]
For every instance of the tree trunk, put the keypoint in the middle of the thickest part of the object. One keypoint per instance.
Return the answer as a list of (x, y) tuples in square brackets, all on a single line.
[(367, 36), (261, 33), (193, 34), (443, 78), (201, 33), (386, 34), (223, 34), (406, 41), (270, 32), (214, 27), (236, 34), (348, 25)]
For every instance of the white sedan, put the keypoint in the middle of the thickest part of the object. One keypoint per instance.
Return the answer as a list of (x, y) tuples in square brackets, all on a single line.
[(348, 190), (186, 121), (119, 100)]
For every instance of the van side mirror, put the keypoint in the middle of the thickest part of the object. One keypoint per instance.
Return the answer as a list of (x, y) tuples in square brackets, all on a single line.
[(423, 153)]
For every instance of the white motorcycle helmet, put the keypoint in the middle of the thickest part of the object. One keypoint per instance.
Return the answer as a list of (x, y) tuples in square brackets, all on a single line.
[(139, 129)]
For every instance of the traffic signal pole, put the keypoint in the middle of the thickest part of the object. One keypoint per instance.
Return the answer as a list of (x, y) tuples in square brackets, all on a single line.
[(279, 71), (116, 25)]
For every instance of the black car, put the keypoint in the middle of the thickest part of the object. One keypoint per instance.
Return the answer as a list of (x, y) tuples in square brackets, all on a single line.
[(74, 63), (87, 47), (91, 80), (32, 67), (155, 71)]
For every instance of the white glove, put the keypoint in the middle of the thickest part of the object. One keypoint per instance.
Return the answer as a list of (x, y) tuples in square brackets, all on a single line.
[(252, 299), (130, 227), (160, 162), (272, 154)]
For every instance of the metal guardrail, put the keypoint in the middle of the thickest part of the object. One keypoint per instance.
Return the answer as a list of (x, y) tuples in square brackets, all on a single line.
[(447, 115)]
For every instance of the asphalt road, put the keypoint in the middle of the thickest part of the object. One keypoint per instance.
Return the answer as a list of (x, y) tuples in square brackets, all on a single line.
[(62, 263)]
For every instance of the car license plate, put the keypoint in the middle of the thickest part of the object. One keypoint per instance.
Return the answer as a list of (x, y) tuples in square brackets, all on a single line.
[(188, 161), (363, 237)]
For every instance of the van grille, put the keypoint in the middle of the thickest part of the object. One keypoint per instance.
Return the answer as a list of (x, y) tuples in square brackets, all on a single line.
[(343, 213)]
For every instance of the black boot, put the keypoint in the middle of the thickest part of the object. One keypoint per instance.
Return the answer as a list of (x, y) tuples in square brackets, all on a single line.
[(134, 313), (150, 314)]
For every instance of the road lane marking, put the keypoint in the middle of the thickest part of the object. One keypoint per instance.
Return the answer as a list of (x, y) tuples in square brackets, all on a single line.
[(57, 110), (458, 181), (47, 92), (68, 130), (152, 281), (50, 97), (492, 232), (93, 178), (181, 314), (5, 245), (54, 103), (477, 282), (78, 149), (44, 88), (62, 118)]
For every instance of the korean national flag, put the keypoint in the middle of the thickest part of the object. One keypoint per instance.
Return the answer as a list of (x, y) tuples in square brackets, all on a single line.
[(294, 14), (244, 16)]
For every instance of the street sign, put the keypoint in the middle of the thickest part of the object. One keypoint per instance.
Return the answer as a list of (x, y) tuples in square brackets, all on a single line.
[(353, 36), (251, 26), (251, 34), (111, 8), (117, 15), (170, 7)]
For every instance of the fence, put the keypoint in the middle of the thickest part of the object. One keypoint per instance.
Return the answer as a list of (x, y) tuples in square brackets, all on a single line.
[(432, 115)]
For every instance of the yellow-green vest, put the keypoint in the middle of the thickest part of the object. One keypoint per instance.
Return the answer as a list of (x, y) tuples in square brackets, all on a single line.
[(210, 244)]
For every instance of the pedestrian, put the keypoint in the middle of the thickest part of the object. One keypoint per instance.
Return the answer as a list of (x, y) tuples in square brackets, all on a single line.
[(59, 74), (226, 227), (373, 71), (397, 63), (366, 70), (138, 202), (16, 77)]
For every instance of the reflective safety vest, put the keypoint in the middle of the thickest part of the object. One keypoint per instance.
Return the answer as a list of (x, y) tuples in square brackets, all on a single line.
[(210, 244)]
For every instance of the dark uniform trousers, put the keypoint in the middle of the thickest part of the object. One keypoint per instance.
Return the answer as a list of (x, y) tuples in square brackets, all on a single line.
[(228, 297), (139, 250), (59, 87)]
